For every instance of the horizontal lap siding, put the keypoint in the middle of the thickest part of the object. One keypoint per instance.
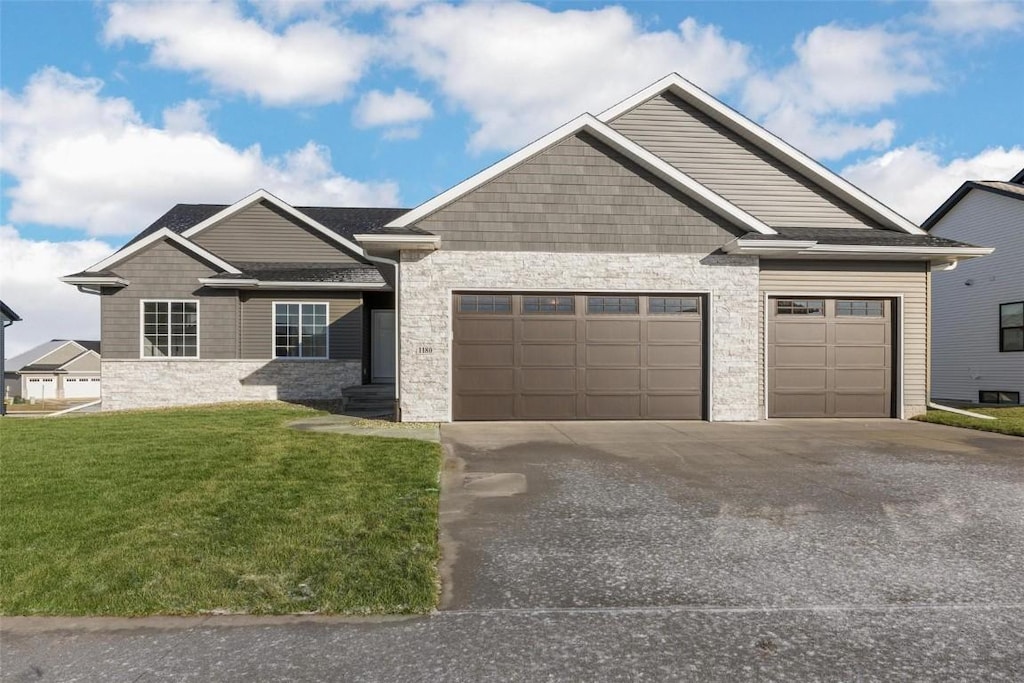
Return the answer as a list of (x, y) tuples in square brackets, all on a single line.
[(867, 279), (164, 271), (578, 196), (60, 355), (345, 320), (733, 167), (258, 233)]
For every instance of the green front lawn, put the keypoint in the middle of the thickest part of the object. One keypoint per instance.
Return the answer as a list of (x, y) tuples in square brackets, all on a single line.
[(1009, 420), (213, 510)]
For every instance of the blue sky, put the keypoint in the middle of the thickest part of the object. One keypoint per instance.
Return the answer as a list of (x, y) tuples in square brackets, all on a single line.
[(113, 112)]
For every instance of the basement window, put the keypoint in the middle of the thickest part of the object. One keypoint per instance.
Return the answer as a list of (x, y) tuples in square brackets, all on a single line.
[(1000, 397)]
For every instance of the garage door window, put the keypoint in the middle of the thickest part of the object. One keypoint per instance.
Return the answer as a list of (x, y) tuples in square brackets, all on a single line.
[(800, 307), (485, 303), (170, 329), (673, 304), (548, 304), (613, 304), (864, 309)]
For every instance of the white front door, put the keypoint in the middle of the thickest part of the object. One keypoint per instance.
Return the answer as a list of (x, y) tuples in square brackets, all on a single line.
[(382, 346)]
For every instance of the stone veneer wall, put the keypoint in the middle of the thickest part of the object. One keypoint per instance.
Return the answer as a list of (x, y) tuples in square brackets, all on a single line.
[(428, 280), (159, 383)]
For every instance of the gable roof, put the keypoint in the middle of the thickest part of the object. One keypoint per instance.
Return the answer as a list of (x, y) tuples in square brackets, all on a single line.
[(767, 142), (602, 131), (88, 344), (1009, 189), (36, 353), (162, 234), (1019, 178), (66, 367)]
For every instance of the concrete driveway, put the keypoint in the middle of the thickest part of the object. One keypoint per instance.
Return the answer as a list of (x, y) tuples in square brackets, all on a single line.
[(780, 551)]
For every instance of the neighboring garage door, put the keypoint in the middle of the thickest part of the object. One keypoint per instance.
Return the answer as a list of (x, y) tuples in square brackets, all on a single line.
[(41, 387), (81, 387), (830, 357), (525, 356)]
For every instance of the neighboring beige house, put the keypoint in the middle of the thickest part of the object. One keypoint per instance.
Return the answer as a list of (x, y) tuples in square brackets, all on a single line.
[(978, 315), (666, 259), (57, 369)]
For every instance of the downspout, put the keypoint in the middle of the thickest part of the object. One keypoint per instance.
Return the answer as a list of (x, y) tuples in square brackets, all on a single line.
[(3, 372)]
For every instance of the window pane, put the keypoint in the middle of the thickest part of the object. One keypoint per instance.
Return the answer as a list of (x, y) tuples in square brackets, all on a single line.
[(1011, 315), (1013, 339), (800, 307), (661, 304), (613, 304), (859, 308), (548, 304), (485, 303)]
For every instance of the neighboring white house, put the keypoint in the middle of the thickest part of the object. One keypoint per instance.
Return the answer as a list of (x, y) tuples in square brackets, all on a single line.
[(978, 316), (57, 369)]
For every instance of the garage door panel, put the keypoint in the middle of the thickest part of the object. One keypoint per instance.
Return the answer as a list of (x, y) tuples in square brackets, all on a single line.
[(483, 329), (787, 404), (547, 406), (861, 405), (668, 380), (801, 378), (674, 356), (674, 331), (616, 330), (853, 333), (484, 355), (861, 356), (612, 355), (800, 356), (801, 333), (547, 355), (487, 379), (674, 407), (597, 379), (548, 379), (875, 379), (484, 407), (596, 362), (617, 407), (534, 330)]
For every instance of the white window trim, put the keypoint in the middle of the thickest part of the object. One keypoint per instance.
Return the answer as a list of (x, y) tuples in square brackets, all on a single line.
[(142, 330), (273, 330)]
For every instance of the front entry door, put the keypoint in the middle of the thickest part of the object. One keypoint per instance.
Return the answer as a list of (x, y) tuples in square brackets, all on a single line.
[(382, 351)]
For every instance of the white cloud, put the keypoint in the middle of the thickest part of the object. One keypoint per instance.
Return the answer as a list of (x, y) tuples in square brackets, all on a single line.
[(309, 62), (376, 108), (186, 117), (87, 161), (520, 70), (839, 73), (974, 17), (49, 308), (915, 181)]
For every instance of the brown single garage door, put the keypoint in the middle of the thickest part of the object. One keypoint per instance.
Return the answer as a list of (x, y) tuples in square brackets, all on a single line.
[(525, 356), (830, 357)]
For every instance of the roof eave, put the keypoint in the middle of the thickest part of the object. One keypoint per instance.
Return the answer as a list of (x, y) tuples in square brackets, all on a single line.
[(95, 281), (392, 243), (217, 283), (791, 249)]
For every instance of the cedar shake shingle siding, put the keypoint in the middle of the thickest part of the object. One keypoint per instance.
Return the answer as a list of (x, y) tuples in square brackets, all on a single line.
[(578, 196), (733, 167), (164, 271), (259, 233)]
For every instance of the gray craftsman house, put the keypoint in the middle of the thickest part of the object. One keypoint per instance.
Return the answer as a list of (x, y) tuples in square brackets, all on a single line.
[(665, 259)]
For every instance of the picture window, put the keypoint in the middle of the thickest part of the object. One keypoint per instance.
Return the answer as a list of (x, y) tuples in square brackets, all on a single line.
[(300, 330)]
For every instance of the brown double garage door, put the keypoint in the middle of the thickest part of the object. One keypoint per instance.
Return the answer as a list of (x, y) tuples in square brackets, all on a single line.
[(527, 356), (830, 357)]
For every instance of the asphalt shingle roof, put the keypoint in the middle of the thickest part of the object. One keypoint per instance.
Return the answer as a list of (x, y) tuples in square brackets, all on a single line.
[(306, 272), (858, 237)]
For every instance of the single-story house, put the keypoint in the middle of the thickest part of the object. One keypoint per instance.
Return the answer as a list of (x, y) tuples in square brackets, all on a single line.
[(665, 259), (978, 314), (7, 318), (57, 369)]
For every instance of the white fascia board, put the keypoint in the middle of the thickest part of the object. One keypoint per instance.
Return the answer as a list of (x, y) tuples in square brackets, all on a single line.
[(105, 281), (218, 283), (421, 242), (590, 124), (262, 195), (790, 248), (767, 141), (740, 245), (959, 252), (163, 234)]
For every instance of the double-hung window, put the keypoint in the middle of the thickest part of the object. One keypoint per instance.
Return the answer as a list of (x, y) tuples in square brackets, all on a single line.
[(300, 330), (170, 329), (1011, 326)]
